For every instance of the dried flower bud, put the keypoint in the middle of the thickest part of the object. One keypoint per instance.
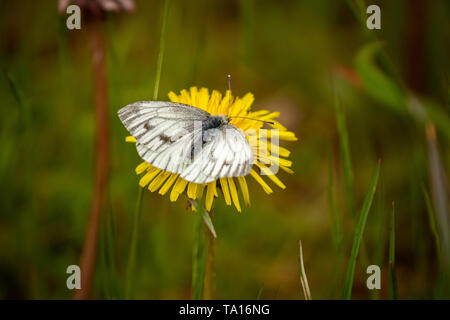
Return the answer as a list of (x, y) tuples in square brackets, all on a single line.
[(97, 8)]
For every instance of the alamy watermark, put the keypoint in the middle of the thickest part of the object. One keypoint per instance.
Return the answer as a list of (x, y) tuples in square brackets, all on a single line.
[(74, 20), (74, 280), (374, 280), (374, 20)]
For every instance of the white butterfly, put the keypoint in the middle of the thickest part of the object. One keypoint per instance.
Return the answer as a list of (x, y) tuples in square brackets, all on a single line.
[(188, 141)]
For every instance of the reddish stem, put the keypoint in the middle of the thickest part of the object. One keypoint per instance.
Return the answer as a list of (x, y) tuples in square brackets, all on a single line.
[(88, 255)]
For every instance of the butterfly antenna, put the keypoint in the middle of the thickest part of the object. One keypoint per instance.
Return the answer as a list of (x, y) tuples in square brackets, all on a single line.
[(269, 122), (229, 90), (229, 105)]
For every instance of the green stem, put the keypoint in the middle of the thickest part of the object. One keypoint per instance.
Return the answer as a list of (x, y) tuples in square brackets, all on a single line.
[(392, 287), (162, 45), (357, 239), (209, 279), (198, 254), (137, 213), (133, 245)]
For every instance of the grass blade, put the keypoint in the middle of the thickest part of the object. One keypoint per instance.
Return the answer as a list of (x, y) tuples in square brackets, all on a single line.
[(380, 231), (260, 291), (335, 218), (350, 274), (439, 191), (162, 46), (24, 107), (209, 223), (392, 287), (109, 256), (303, 278), (137, 213), (198, 255), (133, 244), (347, 168), (345, 156), (333, 214), (432, 221)]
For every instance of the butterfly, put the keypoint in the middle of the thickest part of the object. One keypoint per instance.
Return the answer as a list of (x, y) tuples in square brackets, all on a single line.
[(188, 141)]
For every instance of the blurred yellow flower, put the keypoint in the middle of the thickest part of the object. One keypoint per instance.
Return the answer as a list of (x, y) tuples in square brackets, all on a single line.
[(265, 152)]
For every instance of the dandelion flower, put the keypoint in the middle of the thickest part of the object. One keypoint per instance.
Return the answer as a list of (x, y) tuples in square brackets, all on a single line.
[(268, 155)]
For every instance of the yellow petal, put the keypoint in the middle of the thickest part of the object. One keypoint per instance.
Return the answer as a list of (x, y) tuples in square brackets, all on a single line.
[(277, 125), (168, 184), (256, 114), (214, 101), (142, 167), (178, 189), (236, 108), (271, 175), (173, 97), (193, 91), (283, 152), (130, 139), (282, 135), (192, 190), (244, 190), (234, 194), (152, 172), (258, 179), (270, 116), (203, 98), (286, 169), (282, 162), (158, 181), (274, 159), (225, 191), (226, 103), (211, 189), (200, 189), (185, 97), (261, 147), (248, 99)]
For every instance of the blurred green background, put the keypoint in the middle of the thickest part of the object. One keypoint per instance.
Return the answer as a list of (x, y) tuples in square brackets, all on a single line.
[(296, 57)]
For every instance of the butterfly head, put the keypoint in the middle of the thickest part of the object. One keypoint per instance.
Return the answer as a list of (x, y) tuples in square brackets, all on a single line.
[(215, 121), (223, 118)]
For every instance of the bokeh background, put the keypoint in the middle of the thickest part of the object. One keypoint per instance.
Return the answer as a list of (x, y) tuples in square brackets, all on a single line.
[(306, 59)]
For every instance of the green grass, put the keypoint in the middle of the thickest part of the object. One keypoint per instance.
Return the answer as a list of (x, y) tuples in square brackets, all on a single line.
[(133, 245), (345, 157), (303, 277), (432, 221), (392, 289), (199, 254), (358, 235)]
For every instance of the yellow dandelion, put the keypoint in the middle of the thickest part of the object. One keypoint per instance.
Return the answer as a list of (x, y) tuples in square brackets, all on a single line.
[(267, 154)]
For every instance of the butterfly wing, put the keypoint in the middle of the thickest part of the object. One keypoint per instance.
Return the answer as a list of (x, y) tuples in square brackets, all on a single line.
[(165, 132), (225, 153)]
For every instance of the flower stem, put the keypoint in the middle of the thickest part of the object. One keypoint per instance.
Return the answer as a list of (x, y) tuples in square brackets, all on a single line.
[(162, 45), (203, 253), (133, 245), (89, 252), (137, 213), (209, 286), (198, 253)]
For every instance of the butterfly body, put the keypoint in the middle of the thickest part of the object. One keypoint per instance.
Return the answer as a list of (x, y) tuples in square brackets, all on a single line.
[(188, 141), (214, 122)]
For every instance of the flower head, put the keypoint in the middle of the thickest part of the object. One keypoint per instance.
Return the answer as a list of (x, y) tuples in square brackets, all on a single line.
[(268, 155)]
